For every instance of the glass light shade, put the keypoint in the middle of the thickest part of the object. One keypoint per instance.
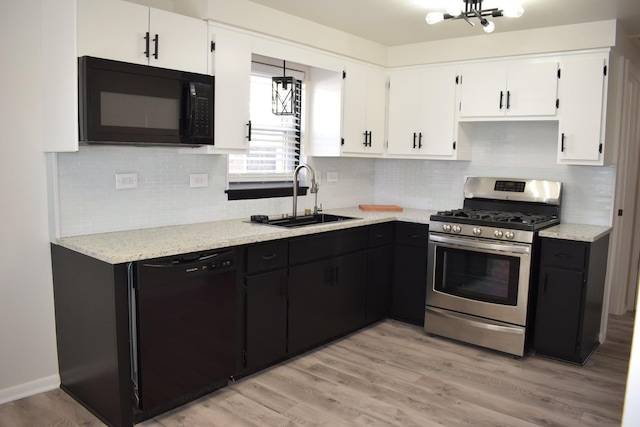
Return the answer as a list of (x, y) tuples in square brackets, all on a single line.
[(284, 98), (454, 9), (434, 17), (488, 27), (513, 10)]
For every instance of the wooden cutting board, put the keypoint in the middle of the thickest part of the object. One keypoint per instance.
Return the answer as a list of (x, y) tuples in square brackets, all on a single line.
[(382, 208)]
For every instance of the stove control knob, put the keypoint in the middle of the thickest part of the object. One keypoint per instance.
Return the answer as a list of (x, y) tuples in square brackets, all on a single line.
[(456, 229), (446, 228), (498, 234), (477, 231), (509, 235)]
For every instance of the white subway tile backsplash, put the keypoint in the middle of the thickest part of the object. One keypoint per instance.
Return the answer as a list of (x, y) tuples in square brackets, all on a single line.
[(89, 202)]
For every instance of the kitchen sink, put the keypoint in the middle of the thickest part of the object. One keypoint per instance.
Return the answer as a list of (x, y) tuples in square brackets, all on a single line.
[(302, 220)]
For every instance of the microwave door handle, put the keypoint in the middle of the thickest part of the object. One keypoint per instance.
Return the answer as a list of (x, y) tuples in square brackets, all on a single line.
[(192, 107)]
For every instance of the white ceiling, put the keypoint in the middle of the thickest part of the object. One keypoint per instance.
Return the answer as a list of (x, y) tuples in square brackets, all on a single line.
[(397, 22)]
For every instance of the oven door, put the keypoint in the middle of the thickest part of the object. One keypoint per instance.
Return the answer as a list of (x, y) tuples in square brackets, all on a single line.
[(484, 278)]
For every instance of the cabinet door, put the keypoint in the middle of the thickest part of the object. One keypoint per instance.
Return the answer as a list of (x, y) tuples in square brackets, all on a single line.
[(558, 312), (532, 89), (438, 112), (266, 301), (405, 103), (310, 305), (326, 299), (181, 41), (113, 30), (409, 284), (581, 94), (379, 283), (483, 91), (364, 109), (232, 69), (349, 293), (422, 110)]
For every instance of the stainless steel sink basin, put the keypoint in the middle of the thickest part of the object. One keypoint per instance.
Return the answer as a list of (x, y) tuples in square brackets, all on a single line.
[(305, 220)]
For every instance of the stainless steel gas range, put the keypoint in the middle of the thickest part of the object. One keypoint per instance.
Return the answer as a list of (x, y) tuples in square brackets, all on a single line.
[(481, 269)]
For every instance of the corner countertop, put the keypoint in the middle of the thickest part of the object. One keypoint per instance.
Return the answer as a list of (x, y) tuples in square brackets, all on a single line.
[(135, 245), (577, 232)]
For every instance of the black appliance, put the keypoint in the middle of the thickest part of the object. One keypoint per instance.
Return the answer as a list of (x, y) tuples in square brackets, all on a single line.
[(123, 103), (481, 269), (183, 315)]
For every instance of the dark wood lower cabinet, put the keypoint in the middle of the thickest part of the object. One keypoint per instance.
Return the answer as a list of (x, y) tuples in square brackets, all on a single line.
[(379, 284), (326, 299), (291, 294), (570, 297), (410, 273), (380, 271), (266, 314)]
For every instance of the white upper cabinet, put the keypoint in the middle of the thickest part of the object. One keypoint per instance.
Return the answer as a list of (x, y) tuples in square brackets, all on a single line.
[(422, 114), (364, 110), (231, 65), (129, 32), (581, 110), (509, 90)]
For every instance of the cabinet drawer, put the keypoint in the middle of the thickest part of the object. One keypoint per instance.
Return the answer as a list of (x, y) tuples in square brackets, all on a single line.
[(326, 245), (563, 254), (412, 234), (267, 256), (380, 234)]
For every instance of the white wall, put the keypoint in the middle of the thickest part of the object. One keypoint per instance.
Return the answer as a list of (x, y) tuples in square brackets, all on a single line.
[(90, 204), (28, 361)]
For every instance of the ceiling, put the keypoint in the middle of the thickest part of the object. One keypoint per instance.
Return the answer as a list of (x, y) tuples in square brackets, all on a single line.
[(398, 22)]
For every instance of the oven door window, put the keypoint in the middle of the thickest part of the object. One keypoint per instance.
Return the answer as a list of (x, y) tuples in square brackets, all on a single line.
[(477, 275)]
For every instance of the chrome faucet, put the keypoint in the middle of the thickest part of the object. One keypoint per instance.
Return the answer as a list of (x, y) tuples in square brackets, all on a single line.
[(313, 189)]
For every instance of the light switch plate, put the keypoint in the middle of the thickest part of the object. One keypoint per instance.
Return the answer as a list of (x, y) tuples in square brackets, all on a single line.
[(332, 176)]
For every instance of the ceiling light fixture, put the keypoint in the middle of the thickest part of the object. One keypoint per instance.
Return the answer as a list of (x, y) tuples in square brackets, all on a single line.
[(473, 9)]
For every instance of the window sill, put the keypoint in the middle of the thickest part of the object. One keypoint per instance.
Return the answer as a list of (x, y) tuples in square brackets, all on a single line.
[(262, 190)]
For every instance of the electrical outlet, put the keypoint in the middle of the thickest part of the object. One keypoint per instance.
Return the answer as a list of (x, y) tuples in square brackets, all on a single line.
[(198, 180), (332, 176), (126, 180)]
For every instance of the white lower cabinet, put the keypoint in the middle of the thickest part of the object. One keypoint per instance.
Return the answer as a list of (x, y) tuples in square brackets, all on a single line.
[(582, 95), (422, 114)]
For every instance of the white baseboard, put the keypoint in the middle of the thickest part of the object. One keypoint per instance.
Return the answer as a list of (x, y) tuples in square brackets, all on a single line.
[(29, 389)]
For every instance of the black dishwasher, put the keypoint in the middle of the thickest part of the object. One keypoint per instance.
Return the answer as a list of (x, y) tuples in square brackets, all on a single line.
[(183, 327)]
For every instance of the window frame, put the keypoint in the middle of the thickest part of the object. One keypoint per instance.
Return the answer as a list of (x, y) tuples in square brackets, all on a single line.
[(280, 185)]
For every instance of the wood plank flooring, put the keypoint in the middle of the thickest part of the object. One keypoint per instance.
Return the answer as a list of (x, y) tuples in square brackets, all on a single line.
[(393, 374)]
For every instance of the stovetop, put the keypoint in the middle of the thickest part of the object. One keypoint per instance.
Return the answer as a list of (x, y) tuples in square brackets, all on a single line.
[(497, 218)]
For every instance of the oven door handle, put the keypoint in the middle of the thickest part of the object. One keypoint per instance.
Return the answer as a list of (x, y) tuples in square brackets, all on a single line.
[(461, 242)]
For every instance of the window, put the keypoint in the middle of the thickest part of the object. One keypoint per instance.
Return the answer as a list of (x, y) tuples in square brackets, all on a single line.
[(274, 149)]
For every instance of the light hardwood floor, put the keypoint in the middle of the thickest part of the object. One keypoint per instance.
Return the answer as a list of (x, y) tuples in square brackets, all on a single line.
[(393, 374)]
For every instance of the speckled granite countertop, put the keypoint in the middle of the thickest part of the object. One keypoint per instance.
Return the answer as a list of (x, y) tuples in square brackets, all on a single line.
[(134, 245), (577, 232)]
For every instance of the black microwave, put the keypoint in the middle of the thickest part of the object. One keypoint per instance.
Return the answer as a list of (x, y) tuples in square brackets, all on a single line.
[(123, 103)]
